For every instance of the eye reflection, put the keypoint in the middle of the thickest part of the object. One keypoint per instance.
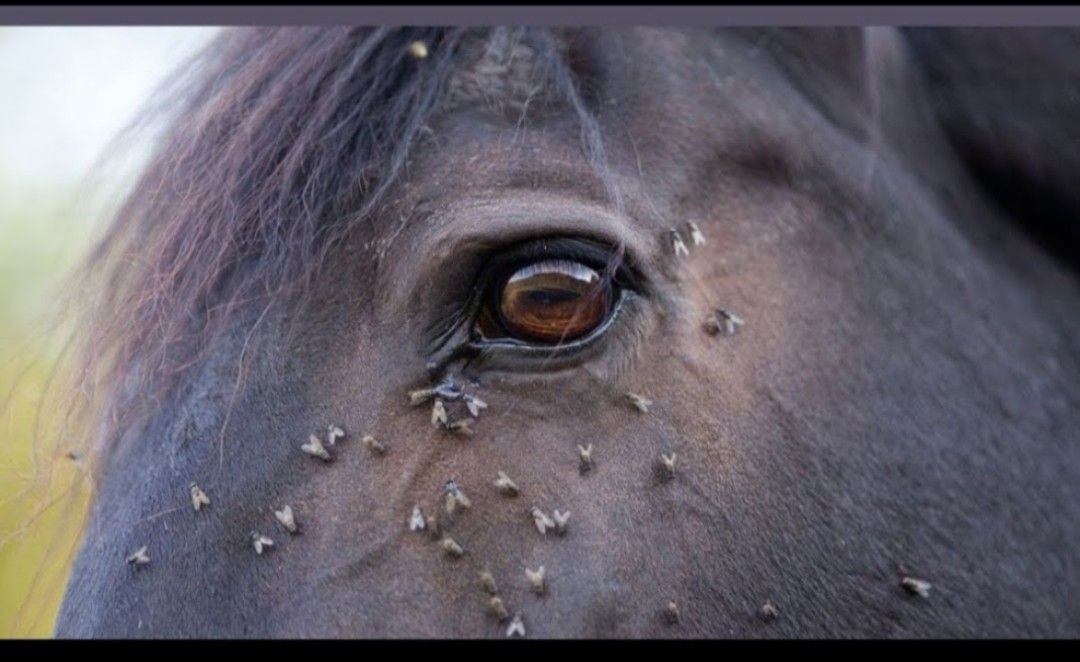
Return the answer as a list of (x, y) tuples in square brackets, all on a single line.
[(548, 302)]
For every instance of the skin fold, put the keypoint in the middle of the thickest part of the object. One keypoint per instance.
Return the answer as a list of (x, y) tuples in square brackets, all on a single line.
[(902, 399)]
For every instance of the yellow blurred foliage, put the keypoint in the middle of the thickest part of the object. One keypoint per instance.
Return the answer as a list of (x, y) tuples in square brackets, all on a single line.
[(44, 494)]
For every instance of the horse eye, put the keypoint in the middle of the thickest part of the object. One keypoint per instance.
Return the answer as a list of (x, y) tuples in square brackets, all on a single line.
[(548, 302)]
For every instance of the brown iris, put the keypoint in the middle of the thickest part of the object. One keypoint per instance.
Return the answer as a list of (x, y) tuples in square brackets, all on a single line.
[(553, 301)]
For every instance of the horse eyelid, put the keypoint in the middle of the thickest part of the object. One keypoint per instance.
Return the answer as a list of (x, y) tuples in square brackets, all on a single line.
[(453, 333)]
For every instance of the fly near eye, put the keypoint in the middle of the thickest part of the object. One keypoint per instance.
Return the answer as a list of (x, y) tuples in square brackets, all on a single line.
[(553, 301)]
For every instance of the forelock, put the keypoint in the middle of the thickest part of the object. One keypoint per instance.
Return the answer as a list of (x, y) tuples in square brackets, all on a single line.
[(504, 69)]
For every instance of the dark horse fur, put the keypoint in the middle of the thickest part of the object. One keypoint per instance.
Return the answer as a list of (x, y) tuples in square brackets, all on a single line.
[(892, 213)]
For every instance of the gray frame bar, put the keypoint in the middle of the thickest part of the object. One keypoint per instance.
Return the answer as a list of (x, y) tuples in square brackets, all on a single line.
[(549, 15)]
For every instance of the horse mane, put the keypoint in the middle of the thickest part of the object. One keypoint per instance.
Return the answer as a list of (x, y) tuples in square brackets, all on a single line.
[(278, 143)]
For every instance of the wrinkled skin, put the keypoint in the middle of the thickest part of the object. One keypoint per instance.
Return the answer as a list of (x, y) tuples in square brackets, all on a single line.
[(902, 398)]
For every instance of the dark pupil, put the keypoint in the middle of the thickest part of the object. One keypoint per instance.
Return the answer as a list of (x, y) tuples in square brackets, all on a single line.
[(552, 296)]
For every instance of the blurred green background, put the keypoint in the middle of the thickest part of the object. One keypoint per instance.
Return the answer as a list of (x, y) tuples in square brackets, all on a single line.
[(66, 92)]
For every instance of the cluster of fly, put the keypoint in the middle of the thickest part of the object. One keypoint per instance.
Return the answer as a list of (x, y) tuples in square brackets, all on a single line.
[(259, 542), (449, 391), (719, 320), (317, 449), (678, 246), (454, 500), (496, 607), (454, 410), (557, 522), (286, 519)]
